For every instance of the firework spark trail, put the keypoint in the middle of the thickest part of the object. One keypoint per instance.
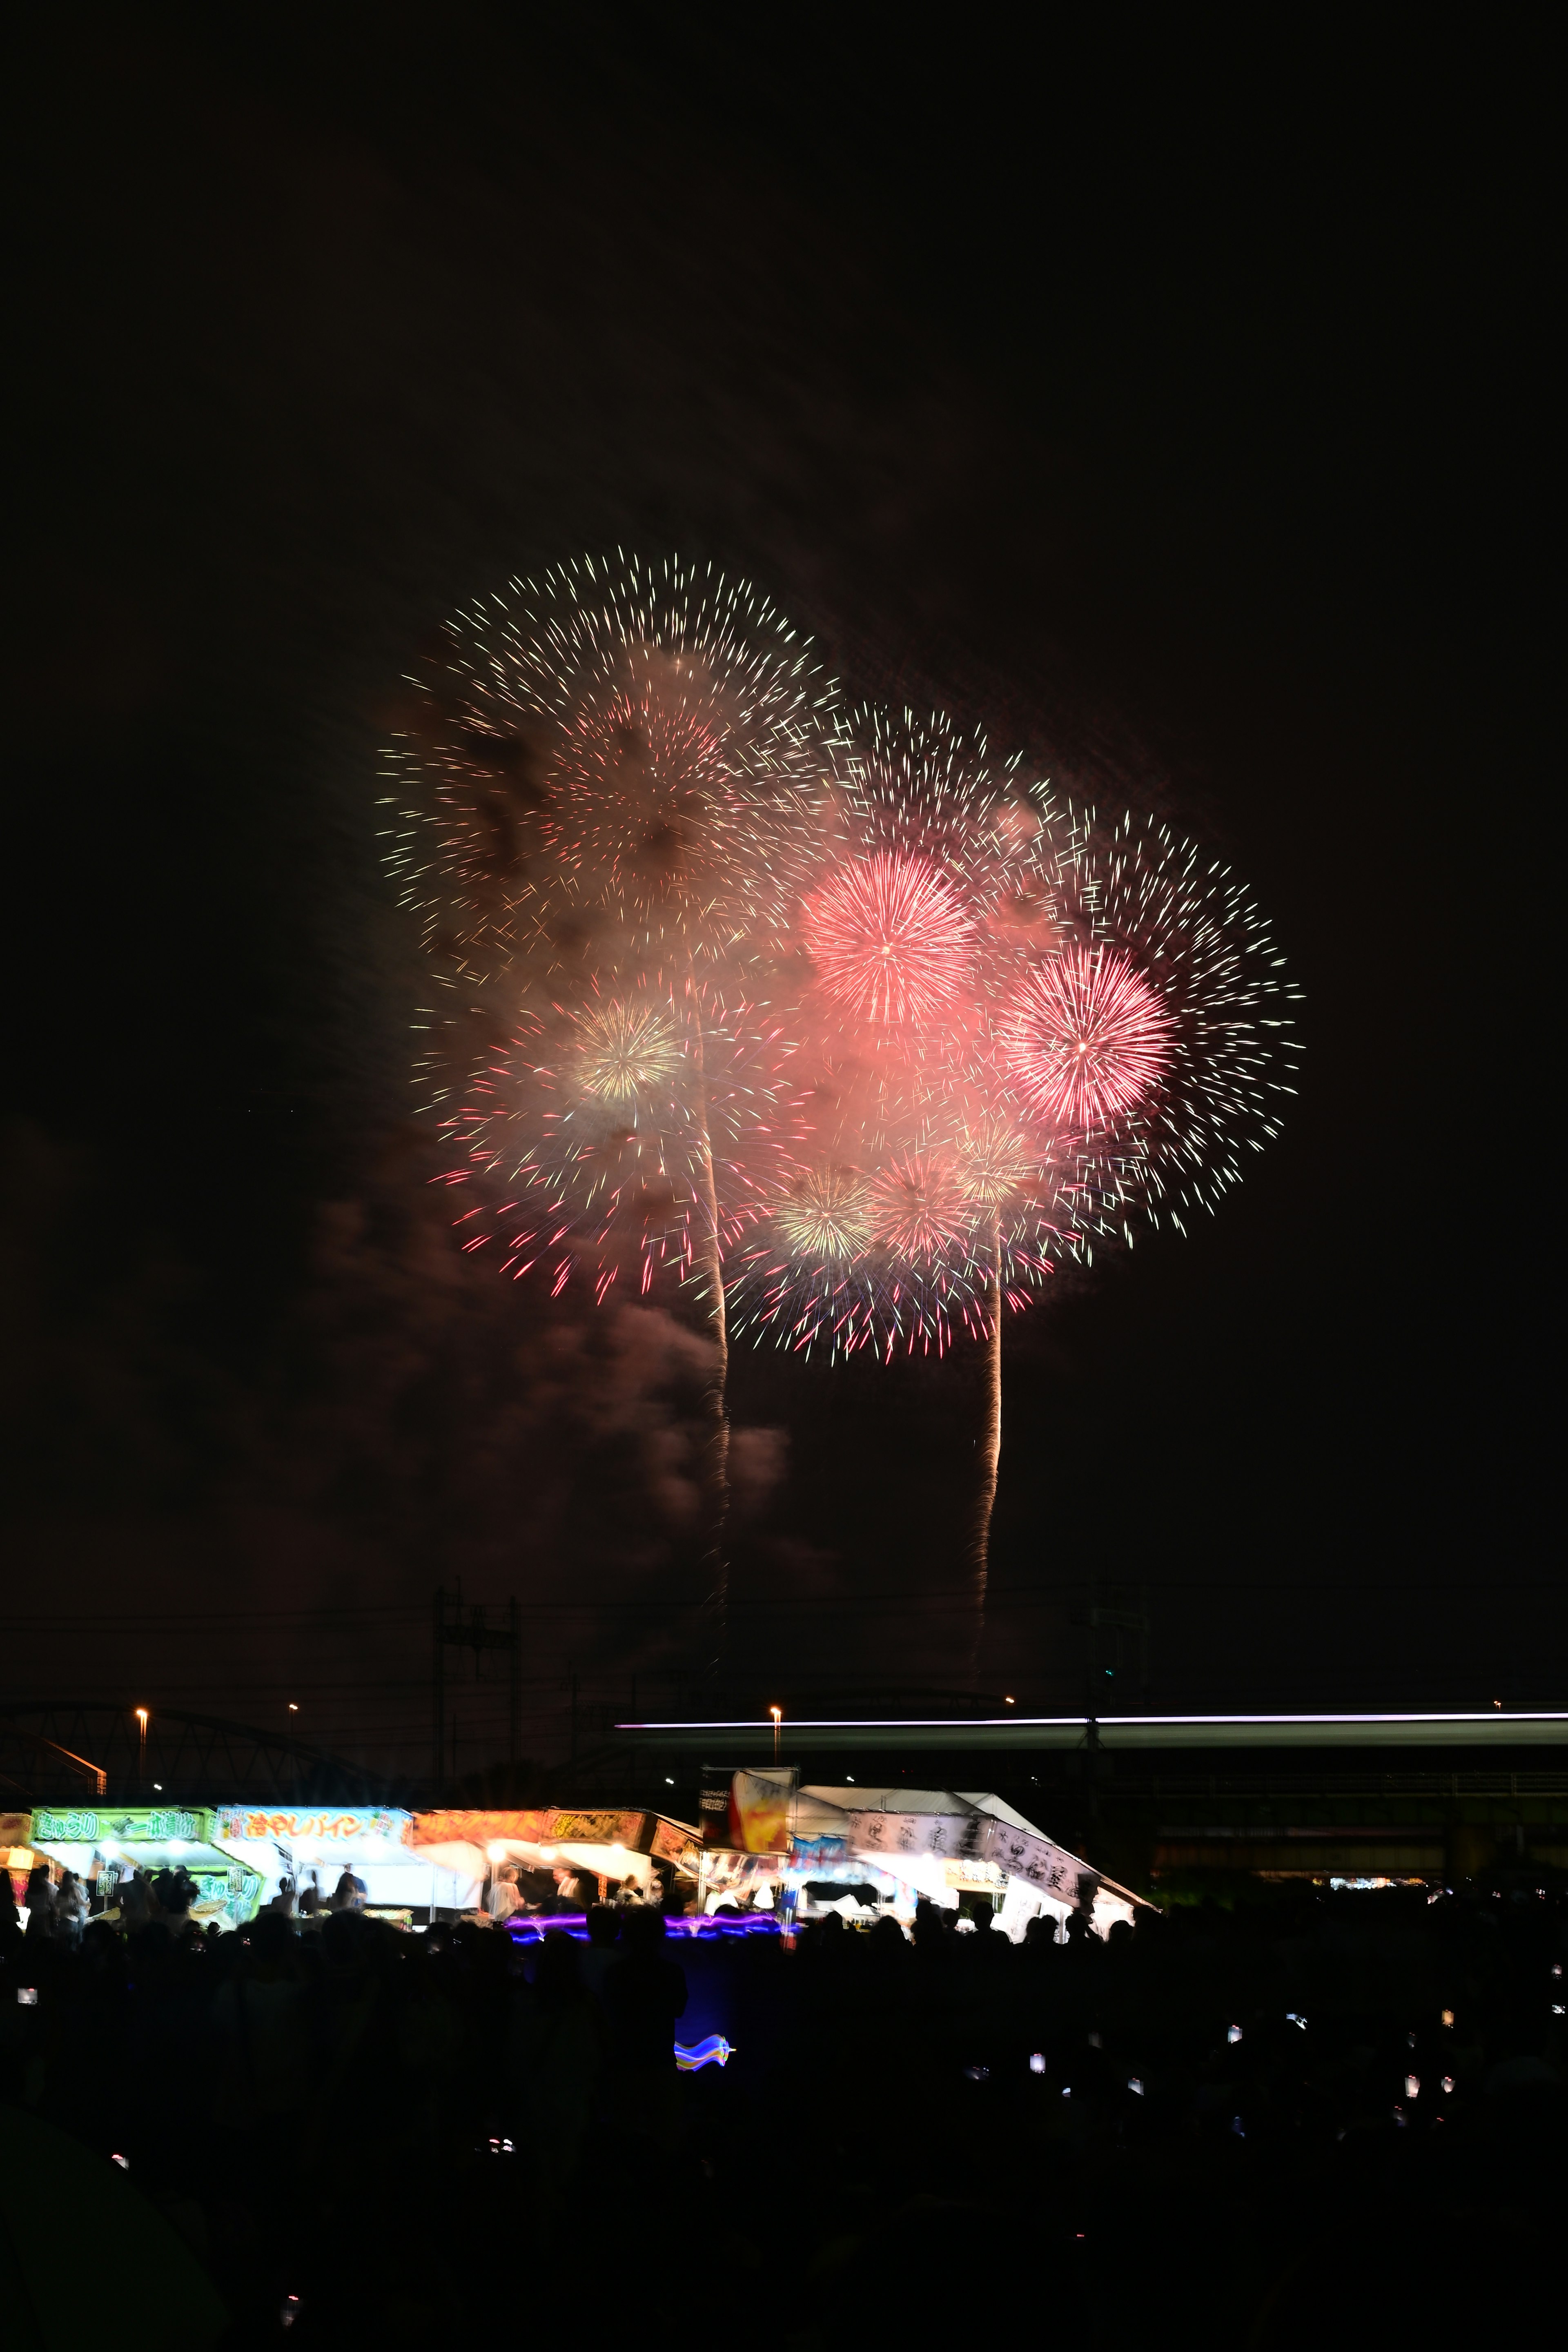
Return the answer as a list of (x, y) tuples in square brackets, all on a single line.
[(989, 1446)]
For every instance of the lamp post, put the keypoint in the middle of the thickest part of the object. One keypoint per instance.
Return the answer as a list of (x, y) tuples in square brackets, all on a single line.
[(141, 1747), (777, 1714)]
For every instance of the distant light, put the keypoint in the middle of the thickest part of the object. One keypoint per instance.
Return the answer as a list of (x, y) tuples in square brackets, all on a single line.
[(141, 1716), (1066, 2090), (122, 2161), (1412, 2086), (1448, 2017), (669, 1783), (850, 1778), (1037, 2062), (293, 1708), (1447, 2084), (777, 1714), (1292, 2018), (1009, 1702), (1233, 2033), (159, 1786), (1135, 2084)]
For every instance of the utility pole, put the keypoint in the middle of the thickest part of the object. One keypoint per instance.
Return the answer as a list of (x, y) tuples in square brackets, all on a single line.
[(449, 1627), (1097, 1619)]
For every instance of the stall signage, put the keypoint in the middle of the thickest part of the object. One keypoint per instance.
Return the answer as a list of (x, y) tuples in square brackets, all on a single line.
[(1035, 1860), (673, 1842), (337, 1826), (596, 1829), (954, 1837), (750, 1813), (159, 1825)]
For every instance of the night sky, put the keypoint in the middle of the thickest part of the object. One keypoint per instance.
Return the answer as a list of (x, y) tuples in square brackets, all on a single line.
[(1176, 412)]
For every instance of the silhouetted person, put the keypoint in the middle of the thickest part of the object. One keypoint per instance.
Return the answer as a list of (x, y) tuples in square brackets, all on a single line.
[(645, 1995), (70, 1909), (600, 1954), (40, 1901), (555, 2051)]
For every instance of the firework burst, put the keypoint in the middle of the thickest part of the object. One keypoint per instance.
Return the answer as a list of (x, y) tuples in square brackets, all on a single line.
[(618, 750), (1172, 985), (891, 939), (1086, 1039)]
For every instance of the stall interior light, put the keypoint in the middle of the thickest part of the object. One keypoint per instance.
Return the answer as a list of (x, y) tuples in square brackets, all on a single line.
[(496, 1850), (547, 1854)]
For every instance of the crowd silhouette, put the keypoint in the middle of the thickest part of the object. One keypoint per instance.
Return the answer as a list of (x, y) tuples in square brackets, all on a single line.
[(1320, 2101)]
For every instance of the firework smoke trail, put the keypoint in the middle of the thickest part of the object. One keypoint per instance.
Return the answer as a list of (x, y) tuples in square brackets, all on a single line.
[(608, 774), (990, 1449)]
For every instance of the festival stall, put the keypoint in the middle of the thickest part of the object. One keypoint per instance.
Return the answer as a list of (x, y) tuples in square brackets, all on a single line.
[(559, 1857), (103, 1844), (312, 1845), (866, 1852)]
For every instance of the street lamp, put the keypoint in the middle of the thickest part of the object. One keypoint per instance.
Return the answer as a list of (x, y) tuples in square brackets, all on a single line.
[(140, 1745), (777, 1714)]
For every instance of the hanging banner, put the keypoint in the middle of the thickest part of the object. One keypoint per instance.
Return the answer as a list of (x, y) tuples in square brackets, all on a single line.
[(956, 1837), (749, 1812), (1049, 1868)]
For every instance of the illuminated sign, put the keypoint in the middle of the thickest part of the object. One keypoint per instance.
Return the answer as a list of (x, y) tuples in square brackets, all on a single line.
[(540, 1825), (334, 1825), (138, 1825)]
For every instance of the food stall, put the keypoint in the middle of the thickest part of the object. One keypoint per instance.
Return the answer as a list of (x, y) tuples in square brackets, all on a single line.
[(314, 1844), (562, 1857), (104, 1842), (869, 1851)]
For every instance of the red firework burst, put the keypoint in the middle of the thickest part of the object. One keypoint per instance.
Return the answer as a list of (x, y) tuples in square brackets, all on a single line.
[(890, 939), (1087, 1040)]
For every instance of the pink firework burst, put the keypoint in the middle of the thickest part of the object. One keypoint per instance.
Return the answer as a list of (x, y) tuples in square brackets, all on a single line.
[(1088, 1039), (918, 1206), (891, 939)]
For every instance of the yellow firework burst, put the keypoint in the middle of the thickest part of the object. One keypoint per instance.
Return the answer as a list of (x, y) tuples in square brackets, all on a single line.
[(826, 1217), (627, 1052)]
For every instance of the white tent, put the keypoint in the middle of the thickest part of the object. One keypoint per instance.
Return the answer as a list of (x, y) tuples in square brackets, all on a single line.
[(933, 1844)]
